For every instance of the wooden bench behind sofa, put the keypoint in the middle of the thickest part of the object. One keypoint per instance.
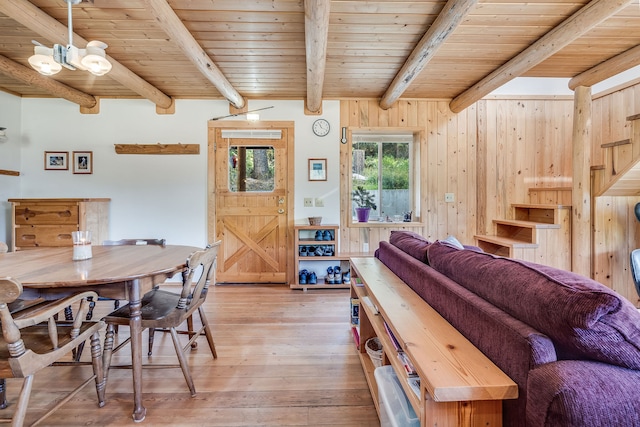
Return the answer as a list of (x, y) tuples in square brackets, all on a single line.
[(459, 385)]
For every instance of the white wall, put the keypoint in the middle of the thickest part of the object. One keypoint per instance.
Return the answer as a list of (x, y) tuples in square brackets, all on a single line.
[(158, 195), (560, 86), (10, 118)]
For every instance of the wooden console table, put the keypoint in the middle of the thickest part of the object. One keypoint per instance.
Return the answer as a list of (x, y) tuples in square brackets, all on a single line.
[(459, 385)]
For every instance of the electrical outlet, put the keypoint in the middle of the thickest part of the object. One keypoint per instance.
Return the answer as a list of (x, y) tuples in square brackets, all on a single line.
[(319, 203), (308, 202), (449, 197)]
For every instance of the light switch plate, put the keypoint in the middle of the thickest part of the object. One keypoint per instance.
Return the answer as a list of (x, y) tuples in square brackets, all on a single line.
[(308, 202), (449, 197), (319, 203)]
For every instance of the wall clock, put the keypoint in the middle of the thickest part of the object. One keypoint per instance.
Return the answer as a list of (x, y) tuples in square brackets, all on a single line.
[(321, 127)]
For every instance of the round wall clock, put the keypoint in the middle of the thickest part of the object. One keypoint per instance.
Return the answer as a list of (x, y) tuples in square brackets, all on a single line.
[(321, 127)]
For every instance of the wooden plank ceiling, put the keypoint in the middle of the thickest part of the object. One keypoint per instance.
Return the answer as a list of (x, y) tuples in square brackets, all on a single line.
[(355, 48)]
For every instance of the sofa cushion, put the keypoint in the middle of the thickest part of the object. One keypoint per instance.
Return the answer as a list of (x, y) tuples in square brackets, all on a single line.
[(585, 319), (411, 243), (582, 393)]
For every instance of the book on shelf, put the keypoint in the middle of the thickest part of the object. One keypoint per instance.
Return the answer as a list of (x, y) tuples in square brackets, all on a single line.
[(408, 366), (414, 384), (394, 341), (356, 281), (356, 335), (355, 311), (370, 303)]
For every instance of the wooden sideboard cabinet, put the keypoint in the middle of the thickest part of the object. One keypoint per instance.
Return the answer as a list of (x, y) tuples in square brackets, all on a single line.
[(49, 222)]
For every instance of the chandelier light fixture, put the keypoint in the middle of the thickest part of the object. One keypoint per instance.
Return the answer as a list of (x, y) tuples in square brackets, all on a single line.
[(49, 61)]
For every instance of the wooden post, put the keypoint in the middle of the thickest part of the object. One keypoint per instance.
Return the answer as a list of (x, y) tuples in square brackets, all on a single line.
[(581, 241)]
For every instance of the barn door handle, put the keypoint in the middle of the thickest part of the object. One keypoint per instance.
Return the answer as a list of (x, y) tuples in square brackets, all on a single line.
[(280, 211)]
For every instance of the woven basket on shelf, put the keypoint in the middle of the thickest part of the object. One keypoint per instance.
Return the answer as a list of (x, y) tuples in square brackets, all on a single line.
[(315, 220), (374, 350)]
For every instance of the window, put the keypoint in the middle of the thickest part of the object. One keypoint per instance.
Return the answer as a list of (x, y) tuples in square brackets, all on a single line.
[(251, 169), (384, 164)]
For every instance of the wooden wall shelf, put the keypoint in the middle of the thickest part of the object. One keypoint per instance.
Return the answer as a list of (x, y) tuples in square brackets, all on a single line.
[(8, 172), (157, 148)]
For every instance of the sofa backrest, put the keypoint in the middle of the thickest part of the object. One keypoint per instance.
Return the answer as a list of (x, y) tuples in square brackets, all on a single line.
[(584, 318), (513, 346)]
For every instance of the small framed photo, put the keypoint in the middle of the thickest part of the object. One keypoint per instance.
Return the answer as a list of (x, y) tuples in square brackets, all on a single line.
[(317, 169), (56, 160), (83, 162)]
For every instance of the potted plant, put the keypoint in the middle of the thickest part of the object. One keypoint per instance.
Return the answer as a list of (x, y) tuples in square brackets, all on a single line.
[(365, 201)]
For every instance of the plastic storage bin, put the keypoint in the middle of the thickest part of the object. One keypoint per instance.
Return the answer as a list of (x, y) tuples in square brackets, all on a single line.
[(395, 408)]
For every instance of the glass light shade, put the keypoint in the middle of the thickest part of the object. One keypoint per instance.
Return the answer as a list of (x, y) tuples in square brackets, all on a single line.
[(42, 61), (95, 60)]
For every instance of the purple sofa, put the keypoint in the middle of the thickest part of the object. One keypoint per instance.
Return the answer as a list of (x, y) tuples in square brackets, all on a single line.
[(571, 344)]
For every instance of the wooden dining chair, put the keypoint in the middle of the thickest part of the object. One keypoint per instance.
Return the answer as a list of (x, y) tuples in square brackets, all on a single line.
[(18, 304), (163, 309), (33, 338), (121, 242), (157, 242)]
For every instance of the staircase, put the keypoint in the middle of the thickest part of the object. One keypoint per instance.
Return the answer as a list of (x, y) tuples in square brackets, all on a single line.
[(540, 233), (620, 173)]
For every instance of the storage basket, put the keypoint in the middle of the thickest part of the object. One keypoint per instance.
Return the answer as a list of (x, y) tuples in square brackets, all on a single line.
[(374, 350), (315, 220)]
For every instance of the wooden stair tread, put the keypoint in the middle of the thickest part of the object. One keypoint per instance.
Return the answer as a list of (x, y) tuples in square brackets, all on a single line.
[(525, 224), (625, 183), (506, 241)]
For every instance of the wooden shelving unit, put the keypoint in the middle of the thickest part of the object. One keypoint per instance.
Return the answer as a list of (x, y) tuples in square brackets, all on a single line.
[(305, 237), (443, 359)]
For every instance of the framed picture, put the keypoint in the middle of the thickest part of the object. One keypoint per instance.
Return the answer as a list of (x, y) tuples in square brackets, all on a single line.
[(56, 160), (317, 169), (83, 162)]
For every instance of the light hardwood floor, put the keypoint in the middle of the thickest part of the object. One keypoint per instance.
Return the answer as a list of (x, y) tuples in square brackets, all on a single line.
[(285, 358)]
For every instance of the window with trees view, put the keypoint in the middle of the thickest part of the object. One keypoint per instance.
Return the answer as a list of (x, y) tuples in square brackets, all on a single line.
[(384, 165), (251, 169)]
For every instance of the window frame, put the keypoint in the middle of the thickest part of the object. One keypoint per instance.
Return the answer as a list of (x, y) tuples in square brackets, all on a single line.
[(415, 160)]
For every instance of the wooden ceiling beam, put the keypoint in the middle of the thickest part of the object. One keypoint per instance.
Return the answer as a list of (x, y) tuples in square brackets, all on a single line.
[(36, 20), (180, 35), (32, 77), (316, 31), (570, 29), (445, 24), (619, 63)]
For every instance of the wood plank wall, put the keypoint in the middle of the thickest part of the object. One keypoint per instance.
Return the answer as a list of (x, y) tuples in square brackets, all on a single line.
[(523, 143), (491, 155), (448, 165), (507, 145), (616, 230)]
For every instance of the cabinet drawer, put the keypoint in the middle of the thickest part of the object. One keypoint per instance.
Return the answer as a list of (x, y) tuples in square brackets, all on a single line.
[(43, 235), (34, 214)]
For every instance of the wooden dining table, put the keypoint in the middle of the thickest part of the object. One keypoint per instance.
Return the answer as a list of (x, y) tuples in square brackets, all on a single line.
[(118, 272)]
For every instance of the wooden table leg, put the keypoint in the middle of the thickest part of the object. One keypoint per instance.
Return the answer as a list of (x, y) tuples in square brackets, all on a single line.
[(135, 326)]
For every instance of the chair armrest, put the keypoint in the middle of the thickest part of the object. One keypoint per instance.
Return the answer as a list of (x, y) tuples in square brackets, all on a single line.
[(43, 312)]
